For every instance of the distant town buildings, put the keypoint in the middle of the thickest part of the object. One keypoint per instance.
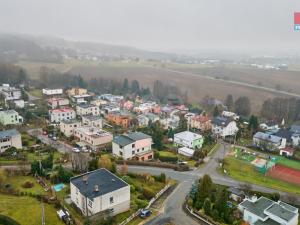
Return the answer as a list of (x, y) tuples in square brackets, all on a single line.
[(58, 115), (55, 91), (87, 109), (188, 139)]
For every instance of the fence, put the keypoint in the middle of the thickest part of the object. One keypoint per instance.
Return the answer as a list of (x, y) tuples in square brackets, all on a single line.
[(147, 207)]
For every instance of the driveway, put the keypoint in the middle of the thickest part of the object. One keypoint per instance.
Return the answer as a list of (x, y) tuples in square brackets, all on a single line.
[(172, 210)]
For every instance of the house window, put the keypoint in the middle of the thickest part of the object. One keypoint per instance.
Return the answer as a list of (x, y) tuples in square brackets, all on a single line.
[(133, 152), (111, 200), (133, 145), (90, 203), (121, 153)]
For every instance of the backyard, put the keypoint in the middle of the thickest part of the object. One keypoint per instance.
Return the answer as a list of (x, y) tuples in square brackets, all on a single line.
[(27, 210)]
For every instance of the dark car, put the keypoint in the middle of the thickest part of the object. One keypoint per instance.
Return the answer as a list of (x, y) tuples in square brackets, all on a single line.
[(145, 213)]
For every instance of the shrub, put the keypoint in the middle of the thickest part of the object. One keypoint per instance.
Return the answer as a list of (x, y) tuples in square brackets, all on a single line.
[(141, 203), (7, 220), (148, 193), (127, 179), (28, 184), (172, 159)]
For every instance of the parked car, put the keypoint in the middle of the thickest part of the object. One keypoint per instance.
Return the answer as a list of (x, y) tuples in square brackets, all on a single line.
[(75, 150), (145, 213)]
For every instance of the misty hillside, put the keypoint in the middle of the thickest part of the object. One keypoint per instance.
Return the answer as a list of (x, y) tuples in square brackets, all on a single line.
[(14, 48)]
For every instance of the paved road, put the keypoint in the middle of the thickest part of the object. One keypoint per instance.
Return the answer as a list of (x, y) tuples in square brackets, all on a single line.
[(31, 97), (59, 145), (172, 211)]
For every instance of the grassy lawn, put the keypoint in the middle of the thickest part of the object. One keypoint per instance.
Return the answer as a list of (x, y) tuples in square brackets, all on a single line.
[(18, 181), (288, 162), (35, 156), (241, 170), (212, 149), (36, 93), (27, 210)]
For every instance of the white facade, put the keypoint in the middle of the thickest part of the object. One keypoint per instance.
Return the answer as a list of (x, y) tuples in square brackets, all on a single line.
[(94, 121), (10, 93), (68, 127), (186, 151), (57, 91), (87, 109), (58, 115), (10, 138), (229, 130), (116, 201), (54, 103)]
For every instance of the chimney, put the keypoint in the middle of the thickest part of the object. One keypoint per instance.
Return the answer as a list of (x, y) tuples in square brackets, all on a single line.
[(85, 179), (96, 188)]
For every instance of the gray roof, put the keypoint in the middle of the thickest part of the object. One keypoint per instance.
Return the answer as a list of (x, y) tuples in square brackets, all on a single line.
[(221, 121), (92, 117), (258, 207), (267, 222), (138, 136), (284, 133), (86, 105), (106, 181), (236, 191), (295, 129), (122, 140), (70, 121), (281, 212), (130, 138), (9, 133), (10, 111), (267, 137)]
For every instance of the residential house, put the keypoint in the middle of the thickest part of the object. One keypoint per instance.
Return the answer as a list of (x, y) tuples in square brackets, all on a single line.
[(76, 91), (10, 138), (188, 152), (54, 103), (10, 117), (94, 121), (188, 139), (121, 118), (269, 126), (94, 137), (128, 105), (58, 115), (144, 119), (201, 123), (10, 93), (20, 103), (230, 115), (81, 99), (67, 127), (268, 142), (99, 102), (224, 126), (55, 91), (287, 151), (263, 211), (236, 194), (112, 98), (135, 145), (296, 135), (87, 109), (111, 108), (286, 134), (100, 191), (170, 122)]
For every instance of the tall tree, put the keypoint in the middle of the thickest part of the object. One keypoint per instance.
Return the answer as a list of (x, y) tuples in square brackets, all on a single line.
[(205, 188), (135, 87), (229, 103), (125, 87), (207, 206), (242, 106), (217, 111), (221, 203), (253, 124)]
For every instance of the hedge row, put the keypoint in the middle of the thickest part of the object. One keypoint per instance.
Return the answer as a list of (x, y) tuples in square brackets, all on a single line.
[(4, 220)]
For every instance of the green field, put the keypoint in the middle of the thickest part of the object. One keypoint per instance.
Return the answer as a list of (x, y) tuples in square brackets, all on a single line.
[(27, 210), (17, 181), (240, 170), (288, 162), (36, 93)]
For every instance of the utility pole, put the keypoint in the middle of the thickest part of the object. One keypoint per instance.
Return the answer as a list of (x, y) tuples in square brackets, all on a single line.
[(43, 212)]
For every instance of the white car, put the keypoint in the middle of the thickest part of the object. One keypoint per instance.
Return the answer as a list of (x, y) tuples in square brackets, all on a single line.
[(75, 150)]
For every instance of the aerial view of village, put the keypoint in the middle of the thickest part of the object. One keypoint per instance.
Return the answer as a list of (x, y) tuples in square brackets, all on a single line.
[(178, 134)]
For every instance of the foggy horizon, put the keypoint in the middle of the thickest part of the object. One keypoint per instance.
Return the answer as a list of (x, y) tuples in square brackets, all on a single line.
[(171, 26)]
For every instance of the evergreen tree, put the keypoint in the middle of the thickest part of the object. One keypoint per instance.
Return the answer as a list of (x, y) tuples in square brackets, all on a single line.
[(229, 103), (205, 188), (217, 111), (221, 203), (135, 87), (253, 124), (125, 86), (242, 106), (207, 206)]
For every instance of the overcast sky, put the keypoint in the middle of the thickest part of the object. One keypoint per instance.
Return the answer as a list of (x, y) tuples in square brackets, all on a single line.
[(158, 24)]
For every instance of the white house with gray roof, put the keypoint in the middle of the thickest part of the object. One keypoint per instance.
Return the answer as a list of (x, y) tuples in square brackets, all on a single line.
[(268, 142), (263, 211), (100, 191), (132, 145), (224, 126), (10, 138)]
